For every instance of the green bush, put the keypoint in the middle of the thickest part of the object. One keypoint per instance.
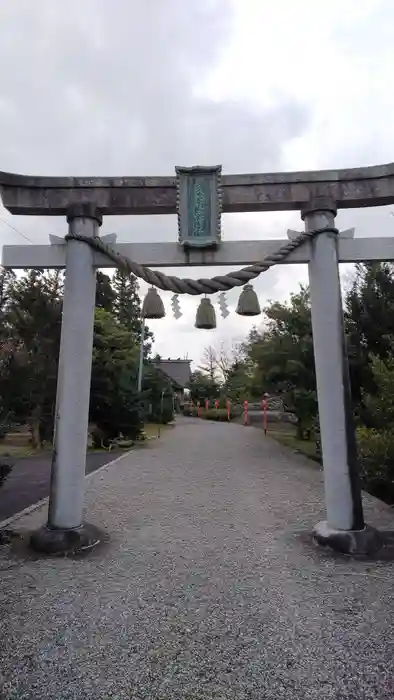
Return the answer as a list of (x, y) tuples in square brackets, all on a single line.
[(161, 410), (5, 424), (317, 437), (99, 438), (219, 414), (376, 455), (189, 410), (167, 410), (5, 470)]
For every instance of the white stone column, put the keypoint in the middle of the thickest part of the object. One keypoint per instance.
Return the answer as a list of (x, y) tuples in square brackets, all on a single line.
[(65, 516), (341, 478)]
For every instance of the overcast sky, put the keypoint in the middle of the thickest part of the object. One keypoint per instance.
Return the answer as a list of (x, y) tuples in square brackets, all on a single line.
[(89, 87)]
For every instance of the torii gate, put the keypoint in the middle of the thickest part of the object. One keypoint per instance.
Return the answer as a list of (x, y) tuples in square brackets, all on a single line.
[(316, 194)]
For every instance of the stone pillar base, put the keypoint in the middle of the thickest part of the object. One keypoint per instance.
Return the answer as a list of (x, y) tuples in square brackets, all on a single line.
[(365, 542), (63, 542)]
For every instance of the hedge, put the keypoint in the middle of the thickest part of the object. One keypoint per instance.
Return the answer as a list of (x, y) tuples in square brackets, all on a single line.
[(218, 414), (376, 455)]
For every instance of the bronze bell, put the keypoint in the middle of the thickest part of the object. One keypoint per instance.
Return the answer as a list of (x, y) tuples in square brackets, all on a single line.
[(205, 317), (248, 303), (152, 306)]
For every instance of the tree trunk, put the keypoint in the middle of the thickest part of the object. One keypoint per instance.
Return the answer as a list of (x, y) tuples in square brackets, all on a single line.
[(34, 428)]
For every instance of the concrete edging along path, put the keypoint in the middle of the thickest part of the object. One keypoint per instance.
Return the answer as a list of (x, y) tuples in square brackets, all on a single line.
[(44, 501), (208, 588)]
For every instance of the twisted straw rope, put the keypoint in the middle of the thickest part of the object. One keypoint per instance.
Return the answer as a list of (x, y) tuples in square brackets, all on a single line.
[(220, 283)]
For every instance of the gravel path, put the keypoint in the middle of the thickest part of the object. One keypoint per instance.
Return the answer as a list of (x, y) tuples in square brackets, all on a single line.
[(207, 589), (29, 480)]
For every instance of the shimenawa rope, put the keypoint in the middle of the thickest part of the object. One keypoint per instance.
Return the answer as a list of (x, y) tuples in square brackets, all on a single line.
[(219, 283)]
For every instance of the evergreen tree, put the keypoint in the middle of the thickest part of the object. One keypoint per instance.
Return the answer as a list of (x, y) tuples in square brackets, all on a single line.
[(369, 322), (114, 402), (127, 307), (203, 387), (127, 303), (238, 385), (105, 294), (7, 280), (30, 352), (157, 394), (283, 357)]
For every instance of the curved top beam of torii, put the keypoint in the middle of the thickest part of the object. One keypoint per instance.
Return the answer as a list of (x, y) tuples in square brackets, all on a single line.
[(355, 187)]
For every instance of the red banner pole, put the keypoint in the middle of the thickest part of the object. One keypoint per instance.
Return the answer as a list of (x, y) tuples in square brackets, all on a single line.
[(245, 412)]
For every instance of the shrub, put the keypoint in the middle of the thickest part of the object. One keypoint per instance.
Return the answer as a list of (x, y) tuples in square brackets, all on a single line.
[(5, 470), (167, 410), (317, 436), (376, 455), (161, 411), (5, 424), (99, 438), (219, 414), (189, 410)]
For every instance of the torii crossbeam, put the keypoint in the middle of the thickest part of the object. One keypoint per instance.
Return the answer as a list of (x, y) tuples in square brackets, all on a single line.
[(230, 253)]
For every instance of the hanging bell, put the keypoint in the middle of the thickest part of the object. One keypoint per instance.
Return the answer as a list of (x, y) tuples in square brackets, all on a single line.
[(205, 317), (248, 303), (152, 306)]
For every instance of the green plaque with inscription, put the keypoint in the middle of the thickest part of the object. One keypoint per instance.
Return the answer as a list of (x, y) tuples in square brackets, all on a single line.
[(199, 206)]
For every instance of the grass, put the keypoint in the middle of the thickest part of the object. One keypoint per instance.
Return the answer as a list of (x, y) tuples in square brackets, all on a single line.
[(18, 449), (154, 430), (10, 450), (288, 438)]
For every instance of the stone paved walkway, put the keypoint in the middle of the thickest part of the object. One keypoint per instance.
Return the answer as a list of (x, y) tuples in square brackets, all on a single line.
[(208, 587)]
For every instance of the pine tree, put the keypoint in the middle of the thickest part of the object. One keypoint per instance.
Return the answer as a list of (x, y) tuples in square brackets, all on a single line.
[(127, 308), (114, 401), (283, 357), (7, 279), (369, 322), (127, 303), (30, 353), (105, 294)]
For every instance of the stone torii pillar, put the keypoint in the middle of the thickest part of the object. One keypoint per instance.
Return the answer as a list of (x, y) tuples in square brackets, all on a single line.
[(344, 528), (66, 529)]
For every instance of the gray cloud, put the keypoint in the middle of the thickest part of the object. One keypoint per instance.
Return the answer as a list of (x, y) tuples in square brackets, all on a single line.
[(100, 88), (93, 88)]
